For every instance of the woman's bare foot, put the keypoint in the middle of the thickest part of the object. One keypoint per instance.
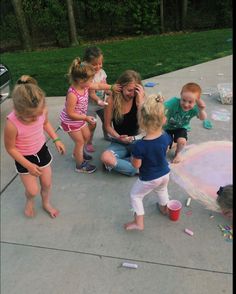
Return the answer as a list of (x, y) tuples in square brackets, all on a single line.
[(133, 226), (29, 208), (53, 212)]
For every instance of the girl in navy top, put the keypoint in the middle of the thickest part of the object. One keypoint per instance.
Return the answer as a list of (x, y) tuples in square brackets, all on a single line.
[(149, 156)]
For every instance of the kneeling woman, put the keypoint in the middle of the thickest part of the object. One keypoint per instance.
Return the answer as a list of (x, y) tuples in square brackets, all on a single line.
[(121, 124)]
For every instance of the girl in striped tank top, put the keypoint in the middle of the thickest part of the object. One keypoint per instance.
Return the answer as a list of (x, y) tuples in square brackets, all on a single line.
[(73, 117)]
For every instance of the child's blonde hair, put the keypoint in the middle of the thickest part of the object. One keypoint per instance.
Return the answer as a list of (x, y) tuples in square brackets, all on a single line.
[(79, 70), (192, 87), (152, 113), (127, 77), (27, 95)]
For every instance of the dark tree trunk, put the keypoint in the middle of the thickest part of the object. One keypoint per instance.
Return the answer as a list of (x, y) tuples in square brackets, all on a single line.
[(162, 15), (72, 25), (22, 25)]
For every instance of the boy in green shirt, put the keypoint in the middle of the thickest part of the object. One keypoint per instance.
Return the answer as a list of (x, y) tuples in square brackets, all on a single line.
[(179, 112)]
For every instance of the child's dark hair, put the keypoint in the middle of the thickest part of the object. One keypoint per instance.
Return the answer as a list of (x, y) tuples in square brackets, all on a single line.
[(80, 71), (225, 197), (92, 53)]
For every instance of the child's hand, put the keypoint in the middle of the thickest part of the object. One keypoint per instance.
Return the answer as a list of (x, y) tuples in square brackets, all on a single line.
[(60, 147), (201, 104), (102, 103), (116, 88), (91, 120), (34, 170)]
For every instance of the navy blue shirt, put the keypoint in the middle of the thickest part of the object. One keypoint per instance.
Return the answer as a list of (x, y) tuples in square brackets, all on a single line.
[(153, 156)]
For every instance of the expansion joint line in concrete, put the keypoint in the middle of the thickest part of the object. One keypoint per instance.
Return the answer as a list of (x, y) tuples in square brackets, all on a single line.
[(116, 257)]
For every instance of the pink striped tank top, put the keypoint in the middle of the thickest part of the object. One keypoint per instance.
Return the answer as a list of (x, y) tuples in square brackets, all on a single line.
[(80, 107)]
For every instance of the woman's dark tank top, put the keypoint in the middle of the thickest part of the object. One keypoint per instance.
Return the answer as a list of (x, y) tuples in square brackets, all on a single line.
[(129, 124)]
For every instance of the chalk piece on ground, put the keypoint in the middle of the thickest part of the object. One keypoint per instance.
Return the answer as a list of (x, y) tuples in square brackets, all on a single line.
[(189, 232), (129, 265), (188, 201), (150, 84), (207, 124)]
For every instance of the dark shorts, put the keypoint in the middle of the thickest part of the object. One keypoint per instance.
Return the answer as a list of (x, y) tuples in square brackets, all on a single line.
[(178, 133), (43, 158)]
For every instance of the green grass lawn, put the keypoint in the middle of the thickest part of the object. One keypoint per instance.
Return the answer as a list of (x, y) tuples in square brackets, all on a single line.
[(150, 56)]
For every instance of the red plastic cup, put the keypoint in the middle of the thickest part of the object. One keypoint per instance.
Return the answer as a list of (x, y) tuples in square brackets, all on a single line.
[(174, 208)]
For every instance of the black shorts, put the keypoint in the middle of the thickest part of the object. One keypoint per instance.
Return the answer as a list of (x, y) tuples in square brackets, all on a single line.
[(43, 158), (177, 133)]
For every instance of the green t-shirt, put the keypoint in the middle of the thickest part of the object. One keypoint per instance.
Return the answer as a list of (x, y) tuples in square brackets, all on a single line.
[(176, 116)]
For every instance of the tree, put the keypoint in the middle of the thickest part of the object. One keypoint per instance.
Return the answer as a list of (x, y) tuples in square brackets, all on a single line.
[(184, 13), (22, 25), (162, 15), (72, 25)]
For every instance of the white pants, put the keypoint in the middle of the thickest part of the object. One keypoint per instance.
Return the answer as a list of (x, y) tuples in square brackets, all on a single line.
[(141, 188)]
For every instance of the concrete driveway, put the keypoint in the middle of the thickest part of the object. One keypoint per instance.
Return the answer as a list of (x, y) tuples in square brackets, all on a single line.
[(81, 251)]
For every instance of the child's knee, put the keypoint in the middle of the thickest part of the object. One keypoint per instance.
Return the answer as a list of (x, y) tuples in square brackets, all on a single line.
[(32, 191), (46, 187), (182, 141)]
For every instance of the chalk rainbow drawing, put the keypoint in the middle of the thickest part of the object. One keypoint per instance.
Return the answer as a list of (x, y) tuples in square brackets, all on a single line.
[(205, 167)]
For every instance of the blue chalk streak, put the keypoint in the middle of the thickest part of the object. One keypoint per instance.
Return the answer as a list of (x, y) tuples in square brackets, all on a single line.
[(150, 84)]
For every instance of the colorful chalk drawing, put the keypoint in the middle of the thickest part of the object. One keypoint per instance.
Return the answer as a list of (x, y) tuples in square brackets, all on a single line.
[(205, 167), (220, 114)]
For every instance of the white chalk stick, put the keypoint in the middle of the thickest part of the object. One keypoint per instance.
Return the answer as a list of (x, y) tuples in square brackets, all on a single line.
[(130, 265), (189, 232), (188, 201)]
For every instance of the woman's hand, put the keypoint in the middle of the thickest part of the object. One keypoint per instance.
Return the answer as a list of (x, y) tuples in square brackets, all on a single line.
[(140, 95), (126, 139)]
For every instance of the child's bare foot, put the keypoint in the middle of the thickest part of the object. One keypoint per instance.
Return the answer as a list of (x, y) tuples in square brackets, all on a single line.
[(163, 209), (53, 212), (177, 159), (29, 208), (133, 226)]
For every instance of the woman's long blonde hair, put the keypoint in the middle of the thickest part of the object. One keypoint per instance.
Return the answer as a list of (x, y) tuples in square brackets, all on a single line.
[(152, 113), (127, 77), (27, 95)]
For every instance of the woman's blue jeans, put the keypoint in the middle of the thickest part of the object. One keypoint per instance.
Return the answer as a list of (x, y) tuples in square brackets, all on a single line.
[(122, 152)]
